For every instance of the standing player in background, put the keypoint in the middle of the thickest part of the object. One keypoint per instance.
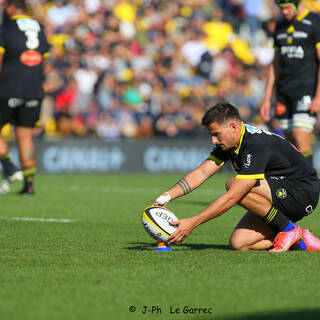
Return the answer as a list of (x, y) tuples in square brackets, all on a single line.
[(295, 74), (23, 48)]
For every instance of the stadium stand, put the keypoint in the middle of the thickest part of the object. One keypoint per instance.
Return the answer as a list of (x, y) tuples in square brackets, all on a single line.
[(146, 68)]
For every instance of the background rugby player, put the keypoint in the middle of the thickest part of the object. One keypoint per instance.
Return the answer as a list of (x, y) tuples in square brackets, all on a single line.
[(23, 48), (295, 74)]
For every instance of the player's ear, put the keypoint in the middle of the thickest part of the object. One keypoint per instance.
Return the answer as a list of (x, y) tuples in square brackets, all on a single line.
[(233, 125)]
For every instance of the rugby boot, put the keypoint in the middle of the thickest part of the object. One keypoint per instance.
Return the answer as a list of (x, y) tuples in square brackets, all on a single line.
[(4, 187), (27, 191), (284, 240), (15, 175), (312, 242)]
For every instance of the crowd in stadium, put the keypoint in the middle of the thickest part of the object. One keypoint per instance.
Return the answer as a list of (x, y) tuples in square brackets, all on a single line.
[(145, 68)]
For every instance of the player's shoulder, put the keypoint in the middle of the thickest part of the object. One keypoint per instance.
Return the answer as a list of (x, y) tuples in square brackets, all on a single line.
[(256, 136), (312, 16), (8, 27), (254, 130)]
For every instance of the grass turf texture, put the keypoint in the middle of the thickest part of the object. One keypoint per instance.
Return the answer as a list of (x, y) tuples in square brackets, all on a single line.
[(103, 262)]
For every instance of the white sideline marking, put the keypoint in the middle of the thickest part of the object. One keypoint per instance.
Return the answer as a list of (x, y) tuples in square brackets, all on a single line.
[(37, 219)]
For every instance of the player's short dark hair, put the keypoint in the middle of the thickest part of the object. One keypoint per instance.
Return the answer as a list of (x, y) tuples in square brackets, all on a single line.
[(220, 113), (20, 4)]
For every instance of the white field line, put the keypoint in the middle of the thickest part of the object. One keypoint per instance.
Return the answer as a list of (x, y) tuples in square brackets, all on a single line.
[(36, 219), (76, 188)]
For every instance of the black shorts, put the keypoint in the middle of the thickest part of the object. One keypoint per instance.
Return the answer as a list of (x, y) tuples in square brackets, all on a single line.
[(295, 199), (20, 112), (293, 112)]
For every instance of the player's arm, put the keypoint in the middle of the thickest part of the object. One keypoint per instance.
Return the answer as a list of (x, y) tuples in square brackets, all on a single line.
[(271, 79), (315, 103), (189, 182), (238, 189)]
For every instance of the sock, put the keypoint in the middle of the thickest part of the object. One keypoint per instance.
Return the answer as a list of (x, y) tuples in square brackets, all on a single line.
[(278, 221), (299, 245), (309, 156), (28, 174), (7, 164)]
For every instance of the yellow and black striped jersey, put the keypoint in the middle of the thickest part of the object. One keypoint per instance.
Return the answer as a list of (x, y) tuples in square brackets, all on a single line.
[(297, 42), (262, 154), (24, 45)]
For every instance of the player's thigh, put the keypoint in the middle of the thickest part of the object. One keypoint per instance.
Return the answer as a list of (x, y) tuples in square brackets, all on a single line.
[(6, 112), (28, 114), (294, 198), (293, 113), (303, 122), (250, 230)]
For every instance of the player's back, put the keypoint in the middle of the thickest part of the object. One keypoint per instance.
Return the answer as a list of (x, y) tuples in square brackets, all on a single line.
[(24, 45), (280, 156)]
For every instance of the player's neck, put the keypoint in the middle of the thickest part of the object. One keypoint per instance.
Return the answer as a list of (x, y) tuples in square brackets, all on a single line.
[(238, 136), (17, 12)]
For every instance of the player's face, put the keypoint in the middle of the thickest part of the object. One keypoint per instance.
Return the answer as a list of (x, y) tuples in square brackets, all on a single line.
[(223, 135), (288, 12)]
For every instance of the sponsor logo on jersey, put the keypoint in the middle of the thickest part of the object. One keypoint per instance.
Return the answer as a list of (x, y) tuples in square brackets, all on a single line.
[(280, 109), (300, 34), (307, 22), (31, 58), (247, 164), (281, 36), (252, 129), (281, 193), (292, 52)]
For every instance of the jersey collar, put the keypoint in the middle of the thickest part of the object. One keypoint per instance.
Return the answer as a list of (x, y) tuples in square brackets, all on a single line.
[(20, 16), (243, 130), (302, 15)]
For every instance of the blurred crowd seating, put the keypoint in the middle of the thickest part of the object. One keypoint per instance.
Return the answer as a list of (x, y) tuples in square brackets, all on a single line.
[(144, 68)]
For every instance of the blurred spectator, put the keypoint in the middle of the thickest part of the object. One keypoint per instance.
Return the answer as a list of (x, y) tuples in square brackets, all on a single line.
[(144, 68), (108, 128)]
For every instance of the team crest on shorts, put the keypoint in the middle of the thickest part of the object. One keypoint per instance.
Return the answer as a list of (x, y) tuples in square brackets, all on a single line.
[(281, 193)]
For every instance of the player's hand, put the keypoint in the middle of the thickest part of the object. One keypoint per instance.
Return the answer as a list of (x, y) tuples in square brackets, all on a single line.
[(265, 110), (162, 200), (314, 106), (185, 227)]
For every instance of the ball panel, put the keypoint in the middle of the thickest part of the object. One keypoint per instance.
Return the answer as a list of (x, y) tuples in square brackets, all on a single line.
[(148, 218), (154, 232), (156, 221)]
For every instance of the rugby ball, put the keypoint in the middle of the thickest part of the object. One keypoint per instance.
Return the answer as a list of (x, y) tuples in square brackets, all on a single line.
[(156, 221)]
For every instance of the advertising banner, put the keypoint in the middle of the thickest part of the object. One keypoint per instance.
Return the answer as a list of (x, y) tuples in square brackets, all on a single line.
[(156, 155)]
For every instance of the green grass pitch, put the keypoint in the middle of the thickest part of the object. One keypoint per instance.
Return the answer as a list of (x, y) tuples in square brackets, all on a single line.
[(95, 261)]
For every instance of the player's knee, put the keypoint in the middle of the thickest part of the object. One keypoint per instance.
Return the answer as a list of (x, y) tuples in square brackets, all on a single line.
[(237, 242), (229, 183)]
